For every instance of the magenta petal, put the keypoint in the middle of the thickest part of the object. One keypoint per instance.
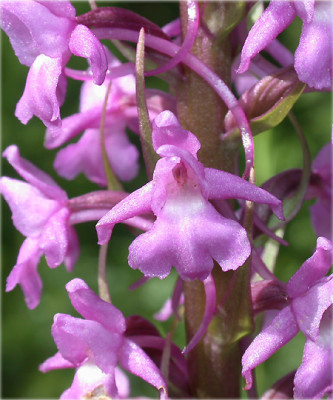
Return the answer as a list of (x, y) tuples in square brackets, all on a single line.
[(313, 379), (40, 96), (167, 131), (92, 307), (224, 185), (322, 164), (55, 362), (165, 312), (309, 309), (61, 8), (25, 273), (77, 339), (312, 269), (123, 156), (321, 217), (71, 127), (135, 360), (90, 380), (136, 203), (34, 175), (73, 249), (122, 383), (88, 159), (54, 239), (29, 37), (305, 9), (274, 336), (313, 57), (153, 252), (189, 239), (83, 43), (277, 16), (191, 32), (30, 209), (210, 306)]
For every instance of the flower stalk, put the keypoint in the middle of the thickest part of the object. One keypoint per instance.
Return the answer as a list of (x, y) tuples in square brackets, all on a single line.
[(216, 358)]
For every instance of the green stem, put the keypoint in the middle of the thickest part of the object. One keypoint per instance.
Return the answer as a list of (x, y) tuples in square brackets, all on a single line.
[(103, 288), (149, 155), (215, 363), (113, 184)]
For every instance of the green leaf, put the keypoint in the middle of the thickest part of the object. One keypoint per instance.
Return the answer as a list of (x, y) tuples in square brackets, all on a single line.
[(149, 154)]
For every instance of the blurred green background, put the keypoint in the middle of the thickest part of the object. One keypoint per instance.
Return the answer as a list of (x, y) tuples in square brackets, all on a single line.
[(26, 337)]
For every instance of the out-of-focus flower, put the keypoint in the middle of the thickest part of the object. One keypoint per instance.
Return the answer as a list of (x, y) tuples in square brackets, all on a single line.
[(119, 113), (313, 57), (321, 189), (310, 310), (95, 345), (188, 232), (40, 212), (43, 36)]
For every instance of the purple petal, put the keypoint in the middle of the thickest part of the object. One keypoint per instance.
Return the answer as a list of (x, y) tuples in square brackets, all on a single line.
[(136, 203), (61, 8), (91, 104), (173, 28), (191, 32), (305, 9), (322, 164), (91, 381), (41, 96), (177, 298), (30, 209), (152, 252), (177, 172), (282, 389), (309, 308), (29, 37), (93, 95), (122, 383), (277, 16), (34, 175), (136, 361), (71, 127), (312, 269), (165, 312), (92, 307), (321, 217), (268, 295), (274, 336), (188, 234), (313, 379), (77, 339), (54, 239), (55, 362), (25, 273), (83, 43), (313, 57), (167, 131), (88, 159), (280, 53), (210, 307), (73, 249), (123, 156), (223, 185)]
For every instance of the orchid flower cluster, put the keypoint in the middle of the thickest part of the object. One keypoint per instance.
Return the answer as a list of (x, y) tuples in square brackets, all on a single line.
[(199, 210)]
